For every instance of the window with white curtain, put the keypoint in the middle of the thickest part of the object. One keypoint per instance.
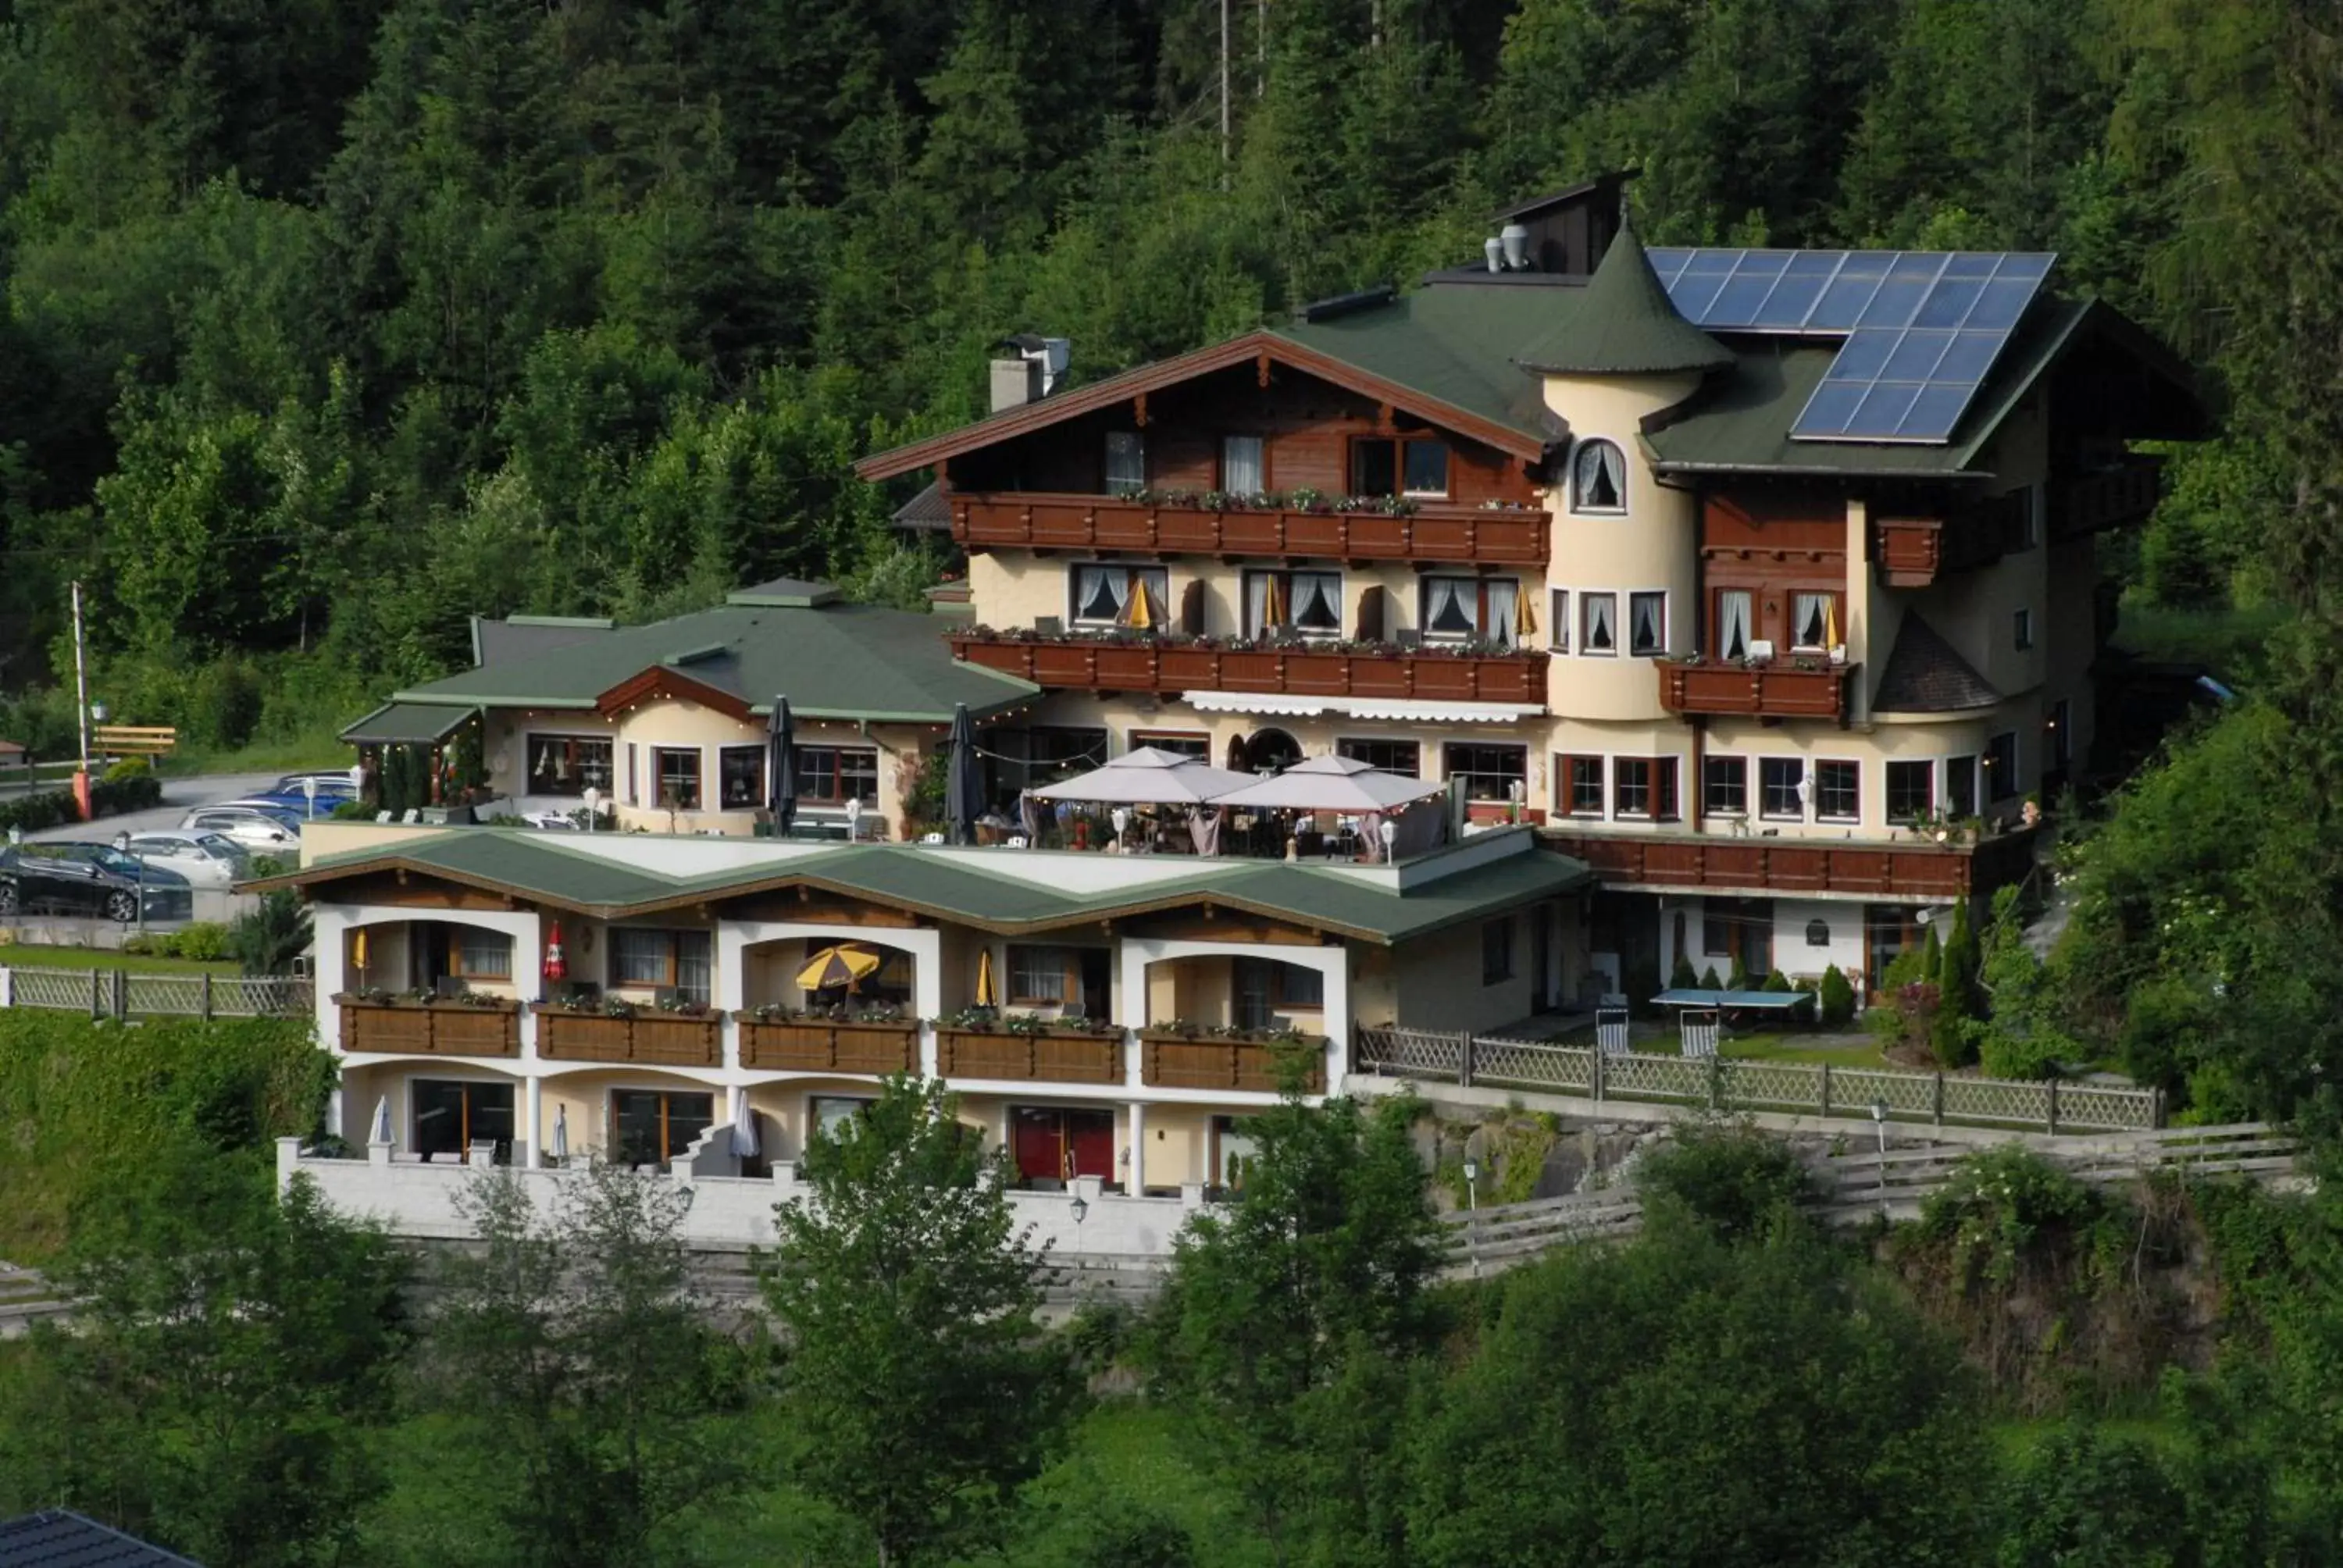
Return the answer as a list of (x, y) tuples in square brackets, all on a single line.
[(1458, 609), (1598, 478), (1126, 462), (1242, 471), (1647, 624), (1599, 623), (1734, 621), (1103, 594), (1810, 621), (1294, 604)]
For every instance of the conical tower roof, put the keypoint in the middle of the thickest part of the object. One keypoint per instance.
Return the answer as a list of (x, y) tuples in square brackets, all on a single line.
[(1624, 325)]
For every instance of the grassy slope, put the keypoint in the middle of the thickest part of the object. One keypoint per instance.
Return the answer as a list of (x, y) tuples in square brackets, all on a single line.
[(48, 958)]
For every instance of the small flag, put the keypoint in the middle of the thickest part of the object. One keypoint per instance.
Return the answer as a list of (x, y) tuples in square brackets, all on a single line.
[(556, 966)]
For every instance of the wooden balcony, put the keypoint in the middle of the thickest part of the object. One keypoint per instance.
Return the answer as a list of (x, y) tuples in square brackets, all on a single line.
[(1889, 871), (1036, 1058), (1146, 665), (801, 1045), (2116, 498), (429, 1028), (1044, 520), (1782, 689), (650, 1039), (1256, 1067), (1909, 550)]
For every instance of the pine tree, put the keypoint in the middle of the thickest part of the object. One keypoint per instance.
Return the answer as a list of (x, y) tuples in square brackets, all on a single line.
[(1932, 957)]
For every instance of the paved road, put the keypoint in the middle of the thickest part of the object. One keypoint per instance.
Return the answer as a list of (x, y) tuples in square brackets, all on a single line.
[(178, 796)]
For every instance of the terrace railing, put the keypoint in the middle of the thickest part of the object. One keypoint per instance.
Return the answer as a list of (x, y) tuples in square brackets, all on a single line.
[(1727, 1084), (124, 993)]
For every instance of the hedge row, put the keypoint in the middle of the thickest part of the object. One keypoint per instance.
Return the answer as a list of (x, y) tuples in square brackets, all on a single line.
[(108, 797)]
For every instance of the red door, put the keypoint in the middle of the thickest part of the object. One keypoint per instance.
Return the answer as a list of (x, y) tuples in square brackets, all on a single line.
[(1055, 1144)]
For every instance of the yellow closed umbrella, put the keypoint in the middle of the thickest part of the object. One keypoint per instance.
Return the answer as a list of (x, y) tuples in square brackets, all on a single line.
[(1830, 620), (359, 952), (836, 967), (1141, 616), (987, 994), (1525, 614)]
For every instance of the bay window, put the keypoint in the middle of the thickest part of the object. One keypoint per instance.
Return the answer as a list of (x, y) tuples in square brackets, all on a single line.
[(677, 769), (1578, 785)]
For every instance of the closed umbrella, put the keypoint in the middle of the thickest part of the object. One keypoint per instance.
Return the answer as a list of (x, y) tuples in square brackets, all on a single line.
[(561, 1132), (359, 954), (1526, 616), (987, 994), (838, 966), (782, 800), (963, 779), (744, 1127), (557, 968), (382, 1120)]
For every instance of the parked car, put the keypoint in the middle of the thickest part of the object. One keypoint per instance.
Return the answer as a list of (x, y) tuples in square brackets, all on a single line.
[(256, 828), (327, 783), (206, 859), (75, 878), (297, 805)]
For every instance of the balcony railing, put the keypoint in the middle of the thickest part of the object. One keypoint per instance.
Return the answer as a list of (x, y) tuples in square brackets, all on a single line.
[(2113, 498), (1887, 871), (1909, 550), (1051, 520), (1179, 1061), (661, 1039), (429, 1028), (814, 1046), (1146, 665), (1780, 690), (1037, 1058)]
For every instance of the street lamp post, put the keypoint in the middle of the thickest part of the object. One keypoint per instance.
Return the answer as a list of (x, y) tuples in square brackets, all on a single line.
[(1472, 1212), (1081, 1212), (122, 844), (593, 798)]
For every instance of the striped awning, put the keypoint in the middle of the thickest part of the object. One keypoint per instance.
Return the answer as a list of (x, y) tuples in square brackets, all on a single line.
[(408, 724), (1396, 710)]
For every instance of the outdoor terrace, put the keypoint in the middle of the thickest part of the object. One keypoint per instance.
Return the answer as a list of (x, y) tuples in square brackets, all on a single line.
[(1042, 520)]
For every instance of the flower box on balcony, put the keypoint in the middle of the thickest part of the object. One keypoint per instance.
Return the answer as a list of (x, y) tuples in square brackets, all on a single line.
[(1063, 663), (1126, 667), (1053, 1057), (1250, 671), (1188, 669), (1800, 688), (1318, 674), (382, 1026), (657, 1038), (1173, 1060), (816, 1045)]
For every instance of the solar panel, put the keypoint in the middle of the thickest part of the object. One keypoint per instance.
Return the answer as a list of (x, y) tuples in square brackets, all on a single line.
[(1922, 328)]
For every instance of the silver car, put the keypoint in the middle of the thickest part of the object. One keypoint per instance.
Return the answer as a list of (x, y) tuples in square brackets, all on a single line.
[(206, 859), (264, 832)]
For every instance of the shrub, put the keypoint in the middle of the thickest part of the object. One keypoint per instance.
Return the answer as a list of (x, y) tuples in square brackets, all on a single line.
[(202, 941), (1681, 977), (1932, 957), (1708, 981), (1836, 999), (1729, 1176), (1777, 981), (1738, 979), (129, 770)]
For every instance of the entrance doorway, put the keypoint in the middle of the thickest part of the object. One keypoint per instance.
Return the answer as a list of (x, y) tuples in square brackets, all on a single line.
[(1271, 751), (1054, 1144), (451, 1115)]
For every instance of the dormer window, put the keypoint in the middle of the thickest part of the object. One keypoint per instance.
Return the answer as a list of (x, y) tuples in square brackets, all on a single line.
[(1598, 477), (1395, 466), (1126, 462)]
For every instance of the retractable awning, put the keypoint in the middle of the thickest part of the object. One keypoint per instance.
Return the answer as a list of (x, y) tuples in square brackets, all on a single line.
[(408, 724), (1398, 709)]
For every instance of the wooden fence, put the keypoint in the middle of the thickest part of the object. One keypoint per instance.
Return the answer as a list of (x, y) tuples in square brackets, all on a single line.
[(1859, 1186), (1726, 1083), (124, 993)]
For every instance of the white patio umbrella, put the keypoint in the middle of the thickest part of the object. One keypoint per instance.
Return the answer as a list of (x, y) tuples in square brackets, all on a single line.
[(382, 1120), (1341, 784), (1147, 777), (561, 1133), (744, 1127)]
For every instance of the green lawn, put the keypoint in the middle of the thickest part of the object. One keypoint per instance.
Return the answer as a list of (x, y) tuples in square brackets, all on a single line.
[(1838, 1050), (302, 754), (2233, 642), (44, 958)]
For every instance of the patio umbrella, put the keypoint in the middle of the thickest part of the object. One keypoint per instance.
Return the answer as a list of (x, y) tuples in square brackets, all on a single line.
[(359, 954), (744, 1127), (1147, 777), (1525, 616), (1139, 617), (987, 994), (382, 1120), (560, 1149), (838, 966), (782, 798), (557, 968), (1830, 621), (1329, 784), (963, 779)]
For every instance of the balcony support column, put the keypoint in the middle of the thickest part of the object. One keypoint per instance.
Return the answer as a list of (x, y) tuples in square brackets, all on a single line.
[(532, 1156), (1134, 1181)]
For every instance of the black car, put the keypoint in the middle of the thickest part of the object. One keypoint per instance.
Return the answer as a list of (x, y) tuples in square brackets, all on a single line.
[(88, 879)]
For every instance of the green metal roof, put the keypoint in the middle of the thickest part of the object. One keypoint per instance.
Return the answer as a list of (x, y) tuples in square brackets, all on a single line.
[(831, 661), (960, 886), (409, 723), (1454, 344), (1624, 325)]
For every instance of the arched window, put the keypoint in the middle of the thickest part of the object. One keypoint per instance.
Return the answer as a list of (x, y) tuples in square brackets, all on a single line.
[(1598, 477)]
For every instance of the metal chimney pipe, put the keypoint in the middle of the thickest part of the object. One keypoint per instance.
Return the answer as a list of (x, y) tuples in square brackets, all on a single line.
[(1516, 242), (1496, 250)]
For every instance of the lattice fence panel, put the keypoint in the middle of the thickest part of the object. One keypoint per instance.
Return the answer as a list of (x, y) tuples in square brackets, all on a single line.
[(1633, 1076), (57, 989), (1791, 1085), (262, 996), (1904, 1093), (1569, 1069), (1997, 1099), (164, 994), (2087, 1106), (1411, 1052)]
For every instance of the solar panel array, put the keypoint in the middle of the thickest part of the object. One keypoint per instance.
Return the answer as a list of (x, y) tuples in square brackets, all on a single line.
[(1922, 328)]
